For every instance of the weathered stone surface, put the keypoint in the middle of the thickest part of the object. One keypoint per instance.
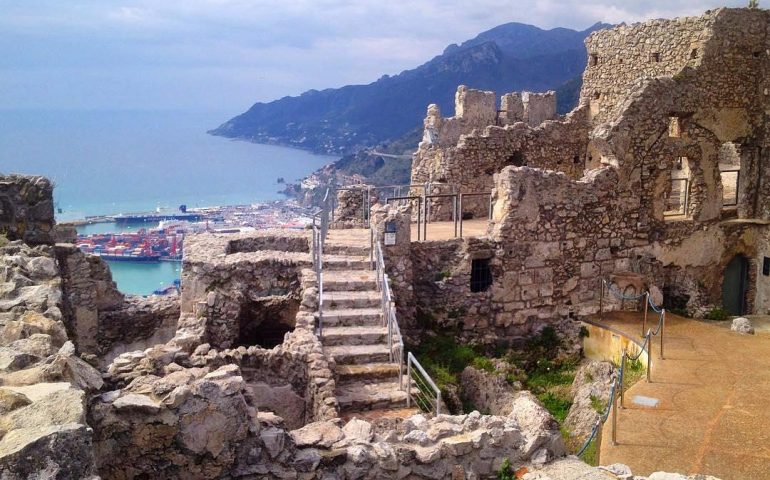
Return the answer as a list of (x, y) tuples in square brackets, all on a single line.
[(590, 398), (54, 451), (489, 392), (26, 209), (358, 431), (742, 325), (317, 434), (539, 428), (10, 400)]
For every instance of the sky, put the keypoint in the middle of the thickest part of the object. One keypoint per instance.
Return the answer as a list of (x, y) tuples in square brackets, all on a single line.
[(224, 55)]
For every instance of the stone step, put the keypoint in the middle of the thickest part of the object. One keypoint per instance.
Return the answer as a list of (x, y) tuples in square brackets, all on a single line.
[(358, 249), (359, 396), (358, 354), (346, 262), (349, 280), (354, 335), (366, 373), (345, 299), (372, 416), (353, 317)]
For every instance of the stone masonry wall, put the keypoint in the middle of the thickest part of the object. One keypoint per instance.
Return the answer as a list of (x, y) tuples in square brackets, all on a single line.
[(470, 163), (26, 209)]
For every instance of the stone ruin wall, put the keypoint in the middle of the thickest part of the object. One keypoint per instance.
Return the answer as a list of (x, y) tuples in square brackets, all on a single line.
[(619, 58), (718, 99), (469, 157), (26, 209)]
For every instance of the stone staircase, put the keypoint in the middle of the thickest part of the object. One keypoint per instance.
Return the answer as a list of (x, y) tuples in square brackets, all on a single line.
[(353, 330)]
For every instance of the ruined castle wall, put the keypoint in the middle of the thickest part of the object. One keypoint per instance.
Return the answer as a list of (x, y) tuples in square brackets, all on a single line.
[(471, 164), (618, 58), (26, 209)]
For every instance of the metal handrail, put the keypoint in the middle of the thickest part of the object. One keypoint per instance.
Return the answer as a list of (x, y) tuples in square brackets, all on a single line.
[(423, 397), (320, 228), (388, 309)]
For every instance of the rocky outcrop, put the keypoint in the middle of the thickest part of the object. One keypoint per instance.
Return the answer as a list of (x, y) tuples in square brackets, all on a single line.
[(590, 397), (742, 325), (43, 433), (197, 424), (489, 392)]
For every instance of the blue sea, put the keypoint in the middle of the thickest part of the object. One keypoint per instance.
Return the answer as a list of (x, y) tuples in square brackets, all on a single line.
[(107, 162)]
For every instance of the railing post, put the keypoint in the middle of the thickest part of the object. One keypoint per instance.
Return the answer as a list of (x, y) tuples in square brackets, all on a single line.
[(419, 217), (438, 403), (490, 206), (614, 418), (646, 305), (408, 382), (622, 370), (601, 298), (460, 209), (649, 354), (454, 212), (662, 327)]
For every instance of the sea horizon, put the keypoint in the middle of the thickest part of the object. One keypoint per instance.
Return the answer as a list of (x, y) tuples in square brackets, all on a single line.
[(107, 162)]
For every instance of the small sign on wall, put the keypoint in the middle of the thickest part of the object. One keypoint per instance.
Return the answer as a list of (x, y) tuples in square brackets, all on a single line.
[(390, 233)]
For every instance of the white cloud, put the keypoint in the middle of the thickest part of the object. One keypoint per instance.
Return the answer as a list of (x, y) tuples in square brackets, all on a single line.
[(229, 53)]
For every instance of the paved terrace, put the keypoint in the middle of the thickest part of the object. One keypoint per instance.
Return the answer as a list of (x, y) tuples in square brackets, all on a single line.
[(713, 415), (446, 230)]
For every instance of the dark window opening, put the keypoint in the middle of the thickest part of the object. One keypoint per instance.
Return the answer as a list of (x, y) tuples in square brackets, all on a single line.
[(597, 95), (766, 266), (576, 159), (593, 60), (516, 159), (694, 53), (655, 57), (481, 275), (757, 54)]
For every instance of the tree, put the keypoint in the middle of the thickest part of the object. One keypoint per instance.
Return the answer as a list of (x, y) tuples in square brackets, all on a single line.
[(753, 3)]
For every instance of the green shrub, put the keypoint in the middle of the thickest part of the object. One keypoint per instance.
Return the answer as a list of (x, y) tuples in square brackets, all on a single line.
[(597, 404), (3, 240), (583, 331), (717, 314), (484, 363), (547, 339), (506, 471), (557, 405)]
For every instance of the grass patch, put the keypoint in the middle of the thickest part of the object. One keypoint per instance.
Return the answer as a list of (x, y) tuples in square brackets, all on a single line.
[(717, 314), (484, 363), (551, 383), (3, 240), (597, 404), (556, 404), (591, 455)]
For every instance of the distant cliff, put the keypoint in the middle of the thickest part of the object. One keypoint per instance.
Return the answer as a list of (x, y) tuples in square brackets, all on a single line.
[(506, 58)]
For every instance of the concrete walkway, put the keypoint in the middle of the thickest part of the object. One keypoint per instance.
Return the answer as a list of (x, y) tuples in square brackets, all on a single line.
[(713, 411)]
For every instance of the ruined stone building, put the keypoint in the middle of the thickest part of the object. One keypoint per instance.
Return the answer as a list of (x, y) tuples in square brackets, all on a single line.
[(657, 181), (659, 177)]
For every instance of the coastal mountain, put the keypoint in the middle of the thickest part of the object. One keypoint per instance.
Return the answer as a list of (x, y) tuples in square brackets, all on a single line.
[(510, 57)]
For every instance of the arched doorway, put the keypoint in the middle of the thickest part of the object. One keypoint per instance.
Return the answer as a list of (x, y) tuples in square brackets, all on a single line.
[(734, 285)]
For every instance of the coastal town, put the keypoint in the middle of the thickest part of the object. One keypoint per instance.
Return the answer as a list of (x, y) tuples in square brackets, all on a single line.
[(158, 236)]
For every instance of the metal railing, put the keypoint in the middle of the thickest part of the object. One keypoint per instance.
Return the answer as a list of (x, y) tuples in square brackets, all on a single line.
[(648, 304), (420, 388), (616, 398), (320, 227), (388, 309), (424, 206)]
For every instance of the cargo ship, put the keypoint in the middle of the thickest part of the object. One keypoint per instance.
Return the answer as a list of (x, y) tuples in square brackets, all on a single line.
[(129, 257), (137, 218)]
